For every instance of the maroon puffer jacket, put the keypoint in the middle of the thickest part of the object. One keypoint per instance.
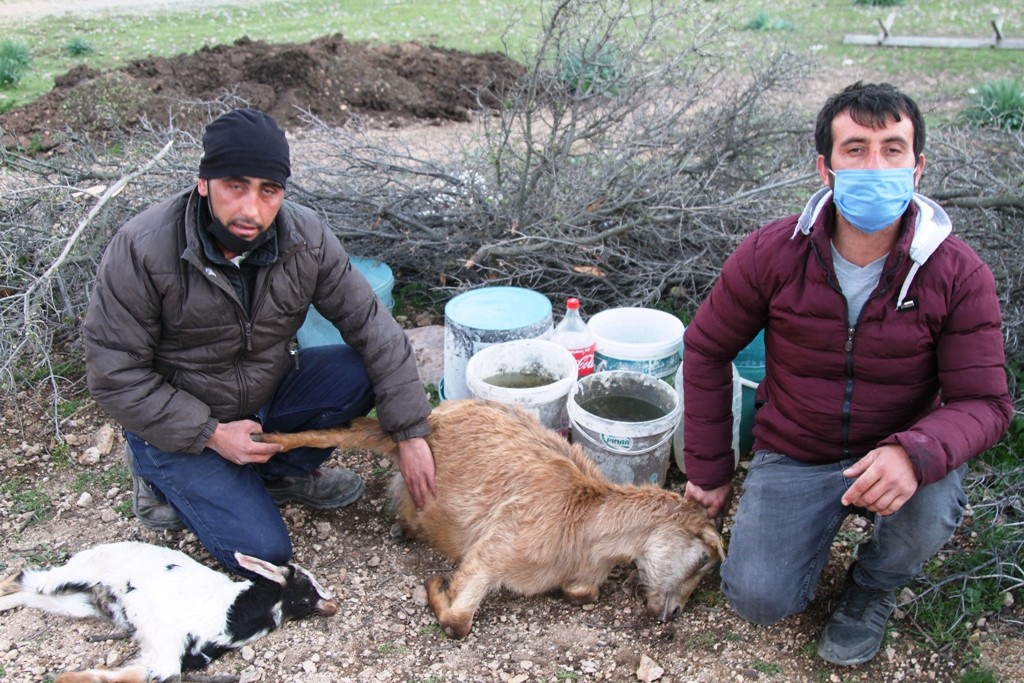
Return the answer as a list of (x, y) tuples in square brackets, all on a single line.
[(931, 326)]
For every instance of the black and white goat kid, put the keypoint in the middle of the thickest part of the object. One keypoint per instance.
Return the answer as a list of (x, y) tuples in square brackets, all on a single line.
[(183, 614)]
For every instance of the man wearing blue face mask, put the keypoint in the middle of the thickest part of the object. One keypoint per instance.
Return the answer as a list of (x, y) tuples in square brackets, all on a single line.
[(884, 374)]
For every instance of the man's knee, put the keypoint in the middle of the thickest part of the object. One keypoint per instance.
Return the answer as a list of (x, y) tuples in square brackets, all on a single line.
[(758, 594), (761, 607)]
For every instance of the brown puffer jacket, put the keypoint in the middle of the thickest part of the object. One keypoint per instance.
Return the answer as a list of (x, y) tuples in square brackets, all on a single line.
[(924, 366), (170, 350)]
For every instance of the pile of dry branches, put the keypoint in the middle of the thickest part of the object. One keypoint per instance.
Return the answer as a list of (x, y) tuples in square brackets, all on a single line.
[(624, 169)]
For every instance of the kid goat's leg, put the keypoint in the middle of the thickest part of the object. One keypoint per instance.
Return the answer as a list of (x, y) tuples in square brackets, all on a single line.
[(129, 674), (455, 598)]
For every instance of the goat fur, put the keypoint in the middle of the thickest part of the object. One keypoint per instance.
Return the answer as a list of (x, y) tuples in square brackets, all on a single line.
[(518, 507), (182, 613)]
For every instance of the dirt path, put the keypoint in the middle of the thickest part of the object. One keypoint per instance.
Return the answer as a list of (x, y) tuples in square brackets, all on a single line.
[(37, 9)]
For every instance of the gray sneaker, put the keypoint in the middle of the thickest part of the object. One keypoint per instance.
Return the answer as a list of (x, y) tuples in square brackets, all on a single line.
[(154, 513), (326, 488), (854, 632)]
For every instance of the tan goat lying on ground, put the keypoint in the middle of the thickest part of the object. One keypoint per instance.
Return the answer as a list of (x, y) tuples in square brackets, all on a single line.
[(518, 507)]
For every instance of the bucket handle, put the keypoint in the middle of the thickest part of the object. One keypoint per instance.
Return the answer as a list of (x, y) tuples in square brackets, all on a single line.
[(659, 444)]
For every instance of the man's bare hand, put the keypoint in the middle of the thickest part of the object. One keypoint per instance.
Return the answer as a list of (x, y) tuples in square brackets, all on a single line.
[(885, 480), (416, 463), (715, 501), (232, 441)]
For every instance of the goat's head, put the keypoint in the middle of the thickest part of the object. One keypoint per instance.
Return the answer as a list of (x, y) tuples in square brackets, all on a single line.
[(676, 557), (302, 595)]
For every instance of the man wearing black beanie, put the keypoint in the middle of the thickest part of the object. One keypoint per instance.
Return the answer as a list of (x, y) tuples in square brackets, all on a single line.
[(189, 337)]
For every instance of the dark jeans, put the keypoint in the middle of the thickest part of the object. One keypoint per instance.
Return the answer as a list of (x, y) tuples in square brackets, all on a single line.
[(788, 516), (226, 505)]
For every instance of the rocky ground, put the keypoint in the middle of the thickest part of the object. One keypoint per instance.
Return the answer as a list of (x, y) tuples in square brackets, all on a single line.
[(56, 498)]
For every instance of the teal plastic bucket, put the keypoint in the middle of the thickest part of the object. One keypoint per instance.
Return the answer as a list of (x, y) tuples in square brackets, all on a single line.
[(486, 316), (750, 366), (316, 330)]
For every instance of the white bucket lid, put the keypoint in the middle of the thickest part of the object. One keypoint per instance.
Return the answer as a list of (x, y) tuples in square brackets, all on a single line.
[(636, 333)]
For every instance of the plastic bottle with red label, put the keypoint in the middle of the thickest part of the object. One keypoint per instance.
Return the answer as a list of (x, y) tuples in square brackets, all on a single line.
[(573, 334)]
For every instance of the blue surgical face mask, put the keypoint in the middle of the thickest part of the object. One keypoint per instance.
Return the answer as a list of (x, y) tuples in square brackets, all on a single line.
[(873, 199)]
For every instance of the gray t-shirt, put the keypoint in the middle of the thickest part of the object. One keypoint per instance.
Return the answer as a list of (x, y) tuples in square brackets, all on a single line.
[(857, 282)]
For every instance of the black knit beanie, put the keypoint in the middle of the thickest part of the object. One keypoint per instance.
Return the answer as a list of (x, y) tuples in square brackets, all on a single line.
[(245, 143)]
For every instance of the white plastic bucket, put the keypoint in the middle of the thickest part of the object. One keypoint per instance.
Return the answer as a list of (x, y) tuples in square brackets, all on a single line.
[(678, 441), (526, 359), (483, 317), (626, 452), (637, 339)]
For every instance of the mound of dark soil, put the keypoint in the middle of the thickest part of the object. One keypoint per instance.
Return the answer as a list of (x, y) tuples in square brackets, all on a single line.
[(330, 77)]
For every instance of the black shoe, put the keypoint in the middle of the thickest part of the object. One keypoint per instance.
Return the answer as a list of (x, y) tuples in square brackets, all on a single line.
[(854, 632), (326, 488), (154, 513)]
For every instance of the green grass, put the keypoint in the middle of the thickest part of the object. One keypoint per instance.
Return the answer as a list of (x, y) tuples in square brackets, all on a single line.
[(763, 21), (433, 630), (15, 60), (978, 676), (77, 47), (27, 499), (60, 455), (116, 39), (998, 104), (102, 481)]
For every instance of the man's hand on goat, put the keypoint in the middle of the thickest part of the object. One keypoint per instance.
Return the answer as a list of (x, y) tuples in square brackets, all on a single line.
[(715, 501), (232, 441), (885, 480), (416, 463)]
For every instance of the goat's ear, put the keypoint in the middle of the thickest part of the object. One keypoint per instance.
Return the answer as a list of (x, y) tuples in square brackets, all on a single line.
[(262, 568)]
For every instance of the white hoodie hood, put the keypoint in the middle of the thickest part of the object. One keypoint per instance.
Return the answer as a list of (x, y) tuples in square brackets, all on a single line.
[(932, 226)]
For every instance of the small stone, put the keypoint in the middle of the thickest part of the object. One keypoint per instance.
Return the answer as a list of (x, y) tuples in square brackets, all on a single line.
[(250, 675), (419, 596), (309, 667), (649, 670), (373, 561), (104, 439), (108, 516), (526, 665), (112, 659), (84, 501), (91, 456), (248, 654), (1008, 599)]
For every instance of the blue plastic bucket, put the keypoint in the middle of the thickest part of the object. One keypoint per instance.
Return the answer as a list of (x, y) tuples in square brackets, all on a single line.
[(316, 330), (750, 365), (486, 316)]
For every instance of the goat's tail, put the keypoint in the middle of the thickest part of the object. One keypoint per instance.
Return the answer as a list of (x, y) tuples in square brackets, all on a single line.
[(364, 433)]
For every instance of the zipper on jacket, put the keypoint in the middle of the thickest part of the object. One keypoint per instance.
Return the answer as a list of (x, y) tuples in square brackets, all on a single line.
[(844, 432)]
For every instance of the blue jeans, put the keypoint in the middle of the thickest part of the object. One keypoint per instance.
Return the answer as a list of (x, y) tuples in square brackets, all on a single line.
[(226, 505), (789, 514)]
